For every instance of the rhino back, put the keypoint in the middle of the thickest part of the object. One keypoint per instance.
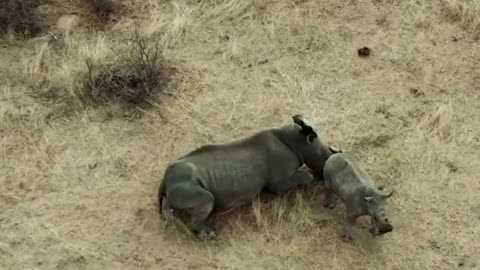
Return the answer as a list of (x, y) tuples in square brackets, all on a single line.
[(237, 171), (359, 170), (348, 178)]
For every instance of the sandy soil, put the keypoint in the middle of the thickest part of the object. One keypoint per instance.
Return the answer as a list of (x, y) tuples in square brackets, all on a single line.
[(78, 189)]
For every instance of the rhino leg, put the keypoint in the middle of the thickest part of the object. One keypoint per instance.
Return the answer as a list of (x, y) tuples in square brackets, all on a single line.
[(330, 199), (374, 230), (301, 177), (198, 203), (315, 174), (348, 230)]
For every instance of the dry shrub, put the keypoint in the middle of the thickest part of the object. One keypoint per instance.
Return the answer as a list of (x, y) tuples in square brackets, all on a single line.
[(126, 74), (103, 9), (133, 78), (19, 16)]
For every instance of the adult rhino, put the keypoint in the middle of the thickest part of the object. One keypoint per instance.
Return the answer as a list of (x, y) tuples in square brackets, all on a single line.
[(222, 176)]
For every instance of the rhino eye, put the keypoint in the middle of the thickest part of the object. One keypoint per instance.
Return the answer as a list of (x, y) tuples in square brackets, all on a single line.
[(310, 138), (386, 220)]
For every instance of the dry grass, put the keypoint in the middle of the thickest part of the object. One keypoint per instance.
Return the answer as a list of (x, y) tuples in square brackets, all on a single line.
[(83, 70), (465, 11), (79, 192)]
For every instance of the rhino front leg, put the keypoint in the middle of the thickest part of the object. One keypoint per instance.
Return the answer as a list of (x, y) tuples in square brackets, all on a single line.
[(198, 203), (301, 177), (374, 230), (348, 230), (330, 199), (315, 174)]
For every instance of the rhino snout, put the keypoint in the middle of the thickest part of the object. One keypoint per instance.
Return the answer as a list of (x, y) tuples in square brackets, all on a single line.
[(385, 228)]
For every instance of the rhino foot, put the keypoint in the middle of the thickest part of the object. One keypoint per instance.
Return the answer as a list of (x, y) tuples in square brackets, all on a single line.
[(329, 205), (330, 200), (207, 235), (348, 230), (211, 235), (346, 237), (305, 177), (376, 231)]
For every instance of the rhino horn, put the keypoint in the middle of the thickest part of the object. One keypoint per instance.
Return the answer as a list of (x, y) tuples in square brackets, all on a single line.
[(368, 198), (335, 149), (385, 193), (380, 192)]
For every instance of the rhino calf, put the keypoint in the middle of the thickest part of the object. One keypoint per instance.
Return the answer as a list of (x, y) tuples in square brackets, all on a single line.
[(346, 179), (222, 176)]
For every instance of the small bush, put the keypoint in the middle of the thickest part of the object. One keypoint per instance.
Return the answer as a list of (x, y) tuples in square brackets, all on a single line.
[(140, 71), (19, 16), (103, 9)]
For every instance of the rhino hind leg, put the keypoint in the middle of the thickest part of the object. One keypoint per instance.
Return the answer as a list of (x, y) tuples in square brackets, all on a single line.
[(198, 203), (301, 177)]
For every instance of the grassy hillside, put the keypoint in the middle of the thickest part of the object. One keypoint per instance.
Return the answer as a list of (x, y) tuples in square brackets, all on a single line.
[(81, 155)]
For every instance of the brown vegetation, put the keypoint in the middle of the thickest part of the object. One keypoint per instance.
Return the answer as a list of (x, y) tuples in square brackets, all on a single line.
[(103, 9), (78, 190), (133, 71), (139, 71), (19, 16)]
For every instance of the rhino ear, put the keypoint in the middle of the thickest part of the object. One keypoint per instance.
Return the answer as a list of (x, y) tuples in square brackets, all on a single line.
[(299, 120), (307, 129), (368, 199)]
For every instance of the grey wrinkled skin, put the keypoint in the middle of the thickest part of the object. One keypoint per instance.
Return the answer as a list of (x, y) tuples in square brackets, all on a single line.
[(222, 176), (346, 179)]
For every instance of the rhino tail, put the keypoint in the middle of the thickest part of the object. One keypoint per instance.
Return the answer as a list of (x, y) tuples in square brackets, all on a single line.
[(161, 194)]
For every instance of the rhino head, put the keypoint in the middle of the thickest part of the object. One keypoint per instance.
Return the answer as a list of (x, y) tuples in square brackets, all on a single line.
[(302, 138), (377, 205)]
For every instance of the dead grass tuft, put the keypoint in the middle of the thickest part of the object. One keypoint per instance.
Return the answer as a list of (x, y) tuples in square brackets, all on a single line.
[(53, 73), (440, 123), (19, 16), (465, 11), (233, 9)]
